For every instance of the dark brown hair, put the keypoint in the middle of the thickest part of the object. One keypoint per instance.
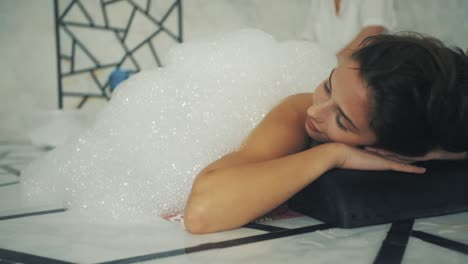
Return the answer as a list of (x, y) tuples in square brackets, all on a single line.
[(419, 91)]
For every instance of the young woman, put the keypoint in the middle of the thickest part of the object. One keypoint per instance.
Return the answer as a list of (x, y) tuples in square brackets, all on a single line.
[(404, 94)]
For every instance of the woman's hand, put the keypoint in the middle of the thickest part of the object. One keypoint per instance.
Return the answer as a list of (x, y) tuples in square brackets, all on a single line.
[(348, 157), (436, 154)]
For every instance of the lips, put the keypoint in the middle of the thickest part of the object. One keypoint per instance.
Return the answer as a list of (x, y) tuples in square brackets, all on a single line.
[(311, 125)]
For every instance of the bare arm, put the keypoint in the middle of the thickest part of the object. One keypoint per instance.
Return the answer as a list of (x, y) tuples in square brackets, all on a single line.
[(231, 197), (273, 164), (354, 44), (264, 173)]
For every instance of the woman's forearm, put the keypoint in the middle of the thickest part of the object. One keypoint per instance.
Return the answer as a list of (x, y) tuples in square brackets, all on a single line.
[(231, 197)]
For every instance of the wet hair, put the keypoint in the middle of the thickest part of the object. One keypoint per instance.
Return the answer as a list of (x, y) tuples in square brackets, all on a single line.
[(419, 92)]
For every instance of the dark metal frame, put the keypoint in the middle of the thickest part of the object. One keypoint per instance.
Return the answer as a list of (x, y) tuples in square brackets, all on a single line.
[(120, 34)]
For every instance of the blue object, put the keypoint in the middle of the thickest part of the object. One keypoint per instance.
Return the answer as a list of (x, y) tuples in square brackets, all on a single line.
[(116, 77)]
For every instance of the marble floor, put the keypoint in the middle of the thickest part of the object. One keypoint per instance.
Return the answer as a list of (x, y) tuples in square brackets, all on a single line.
[(52, 234)]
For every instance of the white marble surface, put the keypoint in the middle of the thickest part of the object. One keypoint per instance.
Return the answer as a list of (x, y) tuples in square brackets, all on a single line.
[(63, 236), (67, 237)]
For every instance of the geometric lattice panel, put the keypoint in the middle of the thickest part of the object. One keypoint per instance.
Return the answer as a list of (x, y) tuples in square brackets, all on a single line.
[(95, 37)]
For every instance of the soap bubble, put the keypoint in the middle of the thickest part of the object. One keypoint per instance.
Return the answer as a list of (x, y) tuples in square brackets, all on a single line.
[(162, 126)]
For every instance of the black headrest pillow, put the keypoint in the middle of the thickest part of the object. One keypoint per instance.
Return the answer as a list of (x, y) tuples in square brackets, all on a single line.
[(351, 198)]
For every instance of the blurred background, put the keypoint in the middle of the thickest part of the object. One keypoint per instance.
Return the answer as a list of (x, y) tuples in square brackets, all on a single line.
[(28, 65)]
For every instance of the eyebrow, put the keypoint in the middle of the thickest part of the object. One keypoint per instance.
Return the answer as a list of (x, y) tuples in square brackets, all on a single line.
[(339, 109)]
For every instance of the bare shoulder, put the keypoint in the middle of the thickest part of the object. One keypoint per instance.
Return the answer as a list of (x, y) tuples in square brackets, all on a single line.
[(280, 133), (300, 102)]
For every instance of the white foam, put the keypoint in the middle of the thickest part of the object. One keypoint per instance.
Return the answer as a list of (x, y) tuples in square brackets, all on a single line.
[(163, 126)]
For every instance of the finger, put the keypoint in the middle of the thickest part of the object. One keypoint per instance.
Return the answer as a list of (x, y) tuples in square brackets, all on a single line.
[(453, 156), (406, 159), (371, 149), (379, 152), (395, 164), (376, 150), (445, 155), (411, 158), (399, 160), (395, 156), (407, 168), (387, 153), (390, 156)]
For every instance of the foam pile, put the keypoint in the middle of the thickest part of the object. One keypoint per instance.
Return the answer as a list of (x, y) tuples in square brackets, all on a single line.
[(163, 126)]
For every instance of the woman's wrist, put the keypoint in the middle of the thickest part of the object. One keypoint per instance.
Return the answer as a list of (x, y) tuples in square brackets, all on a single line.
[(333, 154)]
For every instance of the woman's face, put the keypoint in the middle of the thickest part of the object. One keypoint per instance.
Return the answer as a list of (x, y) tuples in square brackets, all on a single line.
[(341, 109)]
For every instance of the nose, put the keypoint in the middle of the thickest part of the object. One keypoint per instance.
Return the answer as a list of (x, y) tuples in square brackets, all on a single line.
[(320, 110)]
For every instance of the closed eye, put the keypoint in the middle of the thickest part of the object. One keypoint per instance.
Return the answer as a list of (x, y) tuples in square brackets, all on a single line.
[(338, 122), (326, 87)]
